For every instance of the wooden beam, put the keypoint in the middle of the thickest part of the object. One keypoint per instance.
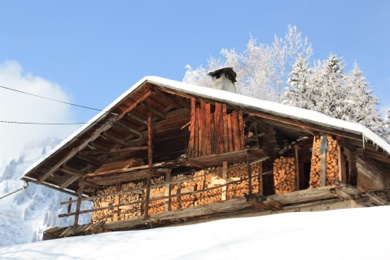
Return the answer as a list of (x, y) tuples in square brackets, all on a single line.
[(174, 103), (69, 170), (90, 159), (150, 160), (69, 181), (224, 177), (341, 194), (115, 216), (78, 204), (307, 127), (167, 191), (74, 151), (296, 147), (150, 137), (114, 151), (249, 173), (133, 105)]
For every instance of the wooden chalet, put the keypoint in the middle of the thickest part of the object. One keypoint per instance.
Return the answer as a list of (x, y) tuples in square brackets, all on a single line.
[(167, 153)]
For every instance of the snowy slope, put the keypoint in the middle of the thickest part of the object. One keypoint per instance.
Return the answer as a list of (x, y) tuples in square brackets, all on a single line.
[(339, 234), (26, 214)]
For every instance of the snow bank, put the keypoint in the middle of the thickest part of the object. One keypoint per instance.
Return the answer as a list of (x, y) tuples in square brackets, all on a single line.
[(338, 234)]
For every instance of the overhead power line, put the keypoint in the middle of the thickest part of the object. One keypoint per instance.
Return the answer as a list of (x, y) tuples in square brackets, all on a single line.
[(40, 123), (55, 100)]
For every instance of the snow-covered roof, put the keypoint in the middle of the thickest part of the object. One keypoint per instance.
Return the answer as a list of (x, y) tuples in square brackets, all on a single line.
[(300, 114), (280, 110)]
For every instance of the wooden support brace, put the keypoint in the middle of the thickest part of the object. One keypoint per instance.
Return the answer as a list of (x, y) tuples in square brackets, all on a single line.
[(116, 203), (167, 191), (249, 173), (341, 194), (79, 197), (323, 169), (147, 196), (70, 155), (297, 167), (224, 176)]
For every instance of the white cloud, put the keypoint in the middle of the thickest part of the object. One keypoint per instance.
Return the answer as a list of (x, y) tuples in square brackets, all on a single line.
[(16, 106)]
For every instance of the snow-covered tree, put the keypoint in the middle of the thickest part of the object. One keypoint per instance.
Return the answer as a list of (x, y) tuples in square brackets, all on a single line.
[(385, 131), (298, 94), (319, 88), (362, 105), (262, 69), (329, 84)]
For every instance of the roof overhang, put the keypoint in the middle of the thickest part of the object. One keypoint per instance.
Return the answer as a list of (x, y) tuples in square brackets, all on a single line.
[(142, 90)]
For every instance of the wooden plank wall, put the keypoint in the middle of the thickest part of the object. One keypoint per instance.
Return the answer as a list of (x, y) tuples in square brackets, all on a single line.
[(214, 129)]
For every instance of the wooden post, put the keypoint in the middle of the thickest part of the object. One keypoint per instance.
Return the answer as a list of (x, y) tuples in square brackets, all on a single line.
[(323, 169), (115, 216), (297, 167), (191, 142), (224, 176), (260, 176), (249, 173), (147, 195), (150, 159), (340, 164), (167, 191), (79, 197), (150, 136)]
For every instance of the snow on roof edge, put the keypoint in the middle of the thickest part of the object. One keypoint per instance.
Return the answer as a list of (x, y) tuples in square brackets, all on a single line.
[(267, 106), (84, 127), (274, 108)]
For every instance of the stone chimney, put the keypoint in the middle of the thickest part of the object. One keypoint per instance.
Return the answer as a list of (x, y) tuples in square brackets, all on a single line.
[(224, 79)]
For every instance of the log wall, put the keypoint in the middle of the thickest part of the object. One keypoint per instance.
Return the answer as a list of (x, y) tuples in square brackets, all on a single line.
[(214, 129)]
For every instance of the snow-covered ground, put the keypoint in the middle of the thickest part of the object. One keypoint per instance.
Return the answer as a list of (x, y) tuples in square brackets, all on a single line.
[(339, 234)]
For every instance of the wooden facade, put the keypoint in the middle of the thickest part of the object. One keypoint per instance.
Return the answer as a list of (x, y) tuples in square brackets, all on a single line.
[(165, 155)]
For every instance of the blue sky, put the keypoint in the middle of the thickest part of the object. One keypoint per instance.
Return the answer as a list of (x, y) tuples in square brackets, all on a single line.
[(95, 50)]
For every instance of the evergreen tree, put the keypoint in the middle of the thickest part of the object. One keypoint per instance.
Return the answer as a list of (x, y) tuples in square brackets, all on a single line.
[(299, 91), (329, 85), (362, 105)]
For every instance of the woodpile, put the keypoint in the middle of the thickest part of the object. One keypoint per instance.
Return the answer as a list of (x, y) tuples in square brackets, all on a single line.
[(103, 202), (209, 178), (124, 211), (240, 172), (284, 171), (116, 206), (332, 157), (157, 206), (181, 185), (133, 210)]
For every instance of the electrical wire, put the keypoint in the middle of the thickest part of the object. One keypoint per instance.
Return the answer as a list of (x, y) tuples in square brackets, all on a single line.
[(51, 99), (55, 100), (40, 123)]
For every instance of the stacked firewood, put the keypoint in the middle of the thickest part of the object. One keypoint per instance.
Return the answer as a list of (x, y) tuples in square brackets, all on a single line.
[(210, 179), (133, 210), (182, 185), (332, 169), (157, 206), (104, 202), (284, 172), (239, 171)]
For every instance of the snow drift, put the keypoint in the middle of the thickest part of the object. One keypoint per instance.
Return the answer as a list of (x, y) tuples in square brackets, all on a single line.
[(338, 234)]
